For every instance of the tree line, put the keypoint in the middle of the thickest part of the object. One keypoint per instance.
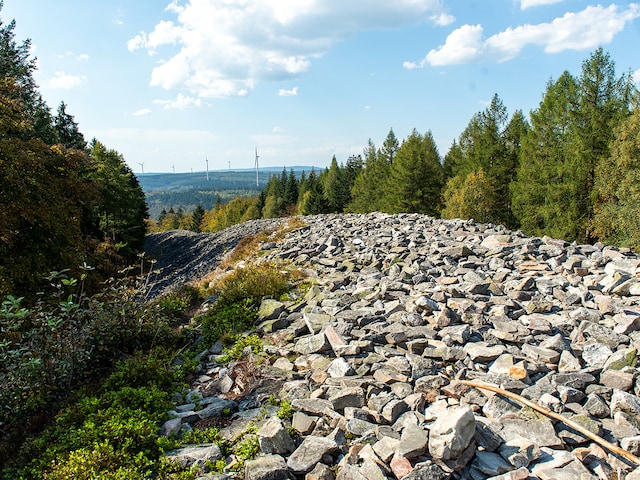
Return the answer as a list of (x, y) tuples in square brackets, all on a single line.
[(64, 202), (570, 170)]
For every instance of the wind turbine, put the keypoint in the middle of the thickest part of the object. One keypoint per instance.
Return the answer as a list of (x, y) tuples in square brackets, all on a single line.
[(257, 157), (207, 160), (141, 166), (174, 168)]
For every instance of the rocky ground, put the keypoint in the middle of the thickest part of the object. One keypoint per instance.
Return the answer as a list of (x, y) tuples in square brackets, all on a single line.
[(183, 256), (382, 358)]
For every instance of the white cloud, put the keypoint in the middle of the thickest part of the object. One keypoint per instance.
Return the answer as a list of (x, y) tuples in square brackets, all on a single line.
[(288, 93), (63, 81), (181, 102), (524, 4), (219, 48), (83, 57), (278, 129), (141, 112), (636, 76), (584, 30)]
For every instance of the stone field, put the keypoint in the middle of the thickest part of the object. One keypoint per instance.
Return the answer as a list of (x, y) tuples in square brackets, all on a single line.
[(383, 359)]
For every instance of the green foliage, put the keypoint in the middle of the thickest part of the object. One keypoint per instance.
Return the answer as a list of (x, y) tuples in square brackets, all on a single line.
[(470, 196), (415, 177), (285, 412), (112, 434), (178, 302), (240, 342), (225, 320), (488, 148), (247, 449), (239, 295), (571, 134), (617, 188), (49, 348)]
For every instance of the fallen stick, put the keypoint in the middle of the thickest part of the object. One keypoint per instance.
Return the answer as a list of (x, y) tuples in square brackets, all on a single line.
[(545, 411)]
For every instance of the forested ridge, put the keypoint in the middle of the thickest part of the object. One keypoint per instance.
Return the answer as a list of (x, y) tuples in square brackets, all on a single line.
[(568, 170), (63, 202)]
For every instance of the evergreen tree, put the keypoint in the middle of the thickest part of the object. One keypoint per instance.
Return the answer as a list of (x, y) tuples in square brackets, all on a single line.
[(544, 192), (291, 190), (489, 144), (196, 219), (67, 129), (335, 187), (369, 187), (415, 177), (122, 209), (570, 134), (617, 188), (389, 147)]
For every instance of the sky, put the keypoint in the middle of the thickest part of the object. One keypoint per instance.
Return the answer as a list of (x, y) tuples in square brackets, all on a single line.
[(174, 84)]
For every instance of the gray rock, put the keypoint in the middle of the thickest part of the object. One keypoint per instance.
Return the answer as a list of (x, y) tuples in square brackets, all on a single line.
[(451, 434), (309, 453), (196, 455), (413, 442), (268, 467), (274, 438)]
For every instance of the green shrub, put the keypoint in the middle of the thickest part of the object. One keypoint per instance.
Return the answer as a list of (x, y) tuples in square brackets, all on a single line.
[(240, 343), (177, 303), (239, 296)]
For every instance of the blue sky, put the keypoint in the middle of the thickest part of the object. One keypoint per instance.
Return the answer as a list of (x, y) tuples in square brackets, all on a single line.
[(172, 83)]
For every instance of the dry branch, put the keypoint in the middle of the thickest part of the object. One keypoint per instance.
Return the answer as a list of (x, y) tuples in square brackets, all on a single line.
[(545, 411)]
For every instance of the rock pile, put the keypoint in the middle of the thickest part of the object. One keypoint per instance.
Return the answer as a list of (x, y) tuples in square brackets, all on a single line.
[(403, 308)]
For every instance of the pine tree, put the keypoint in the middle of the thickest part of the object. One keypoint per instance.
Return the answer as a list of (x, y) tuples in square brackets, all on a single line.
[(67, 129), (367, 193), (389, 148), (415, 177), (196, 219), (617, 188)]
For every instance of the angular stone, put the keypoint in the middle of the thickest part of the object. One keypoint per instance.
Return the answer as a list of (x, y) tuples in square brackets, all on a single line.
[(267, 467), (270, 309), (196, 455), (451, 434), (319, 472), (312, 344), (483, 352), (217, 408), (303, 423), (309, 453), (274, 438), (340, 368), (413, 442), (491, 464), (519, 452), (348, 397), (626, 357)]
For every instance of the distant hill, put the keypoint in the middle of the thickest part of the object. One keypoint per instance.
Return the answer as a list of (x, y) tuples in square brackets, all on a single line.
[(188, 190)]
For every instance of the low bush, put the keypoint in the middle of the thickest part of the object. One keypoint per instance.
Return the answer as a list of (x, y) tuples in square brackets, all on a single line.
[(238, 297)]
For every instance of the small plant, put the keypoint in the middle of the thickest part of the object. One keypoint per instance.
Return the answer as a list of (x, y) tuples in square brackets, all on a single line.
[(285, 412), (177, 303), (247, 449), (241, 342)]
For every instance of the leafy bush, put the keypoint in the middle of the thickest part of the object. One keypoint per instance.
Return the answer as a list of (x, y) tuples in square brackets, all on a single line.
[(66, 338), (240, 343), (239, 296), (113, 434), (177, 303)]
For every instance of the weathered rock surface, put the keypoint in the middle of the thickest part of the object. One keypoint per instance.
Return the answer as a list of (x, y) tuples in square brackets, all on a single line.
[(403, 306)]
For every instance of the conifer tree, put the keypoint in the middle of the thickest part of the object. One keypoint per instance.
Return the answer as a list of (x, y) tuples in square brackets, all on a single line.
[(415, 177)]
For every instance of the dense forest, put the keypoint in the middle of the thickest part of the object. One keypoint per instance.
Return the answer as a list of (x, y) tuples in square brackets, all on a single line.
[(63, 202), (570, 170)]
